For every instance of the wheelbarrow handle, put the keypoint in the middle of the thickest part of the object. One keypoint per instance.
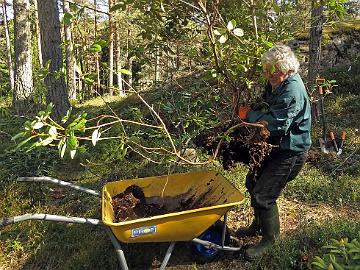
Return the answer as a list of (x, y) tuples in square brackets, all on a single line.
[(48, 217), (59, 183), (7, 221)]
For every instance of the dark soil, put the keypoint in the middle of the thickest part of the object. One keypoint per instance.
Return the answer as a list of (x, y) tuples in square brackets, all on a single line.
[(132, 204), (239, 142)]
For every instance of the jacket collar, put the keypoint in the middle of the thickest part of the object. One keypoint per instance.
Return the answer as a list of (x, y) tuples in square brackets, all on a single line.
[(294, 77)]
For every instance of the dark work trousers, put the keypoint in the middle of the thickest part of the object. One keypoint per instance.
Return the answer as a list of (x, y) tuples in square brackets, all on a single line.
[(276, 171)]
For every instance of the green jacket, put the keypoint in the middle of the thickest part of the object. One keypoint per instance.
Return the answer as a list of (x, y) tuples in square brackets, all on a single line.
[(288, 115)]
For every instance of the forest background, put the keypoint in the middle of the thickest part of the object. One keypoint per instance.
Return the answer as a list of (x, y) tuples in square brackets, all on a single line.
[(120, 89)]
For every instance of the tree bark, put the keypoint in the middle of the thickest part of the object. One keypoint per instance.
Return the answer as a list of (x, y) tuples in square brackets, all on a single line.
[(317, 19), (128, 59), (70, 61), (157, 63), (98, 83), (38, 36), (51, 51), (111, 52), (8, 47), (118, 63), (23, 83)]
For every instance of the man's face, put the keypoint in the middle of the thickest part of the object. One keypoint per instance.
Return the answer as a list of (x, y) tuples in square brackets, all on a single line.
[(274, 75)]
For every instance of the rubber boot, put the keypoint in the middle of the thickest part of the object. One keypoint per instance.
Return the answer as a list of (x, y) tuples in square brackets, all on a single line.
[(253, 229), (270, 228)]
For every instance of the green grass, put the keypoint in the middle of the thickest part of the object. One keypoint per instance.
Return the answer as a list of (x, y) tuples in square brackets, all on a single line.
[(298, 250), (312, 185)]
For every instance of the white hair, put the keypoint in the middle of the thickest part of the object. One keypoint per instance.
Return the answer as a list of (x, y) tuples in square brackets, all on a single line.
[(283, 57)]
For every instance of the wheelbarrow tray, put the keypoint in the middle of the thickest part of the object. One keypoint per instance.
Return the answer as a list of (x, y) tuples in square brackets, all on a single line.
[(214, 195)]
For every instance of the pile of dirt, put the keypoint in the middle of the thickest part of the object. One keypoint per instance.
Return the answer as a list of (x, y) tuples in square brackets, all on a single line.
[(132, 204), (236, 141)]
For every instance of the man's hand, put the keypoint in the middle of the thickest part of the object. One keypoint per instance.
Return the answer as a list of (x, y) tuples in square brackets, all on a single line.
[(243, 112)]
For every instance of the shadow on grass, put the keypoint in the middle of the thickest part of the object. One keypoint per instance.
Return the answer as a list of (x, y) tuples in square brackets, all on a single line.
[(75, 246)]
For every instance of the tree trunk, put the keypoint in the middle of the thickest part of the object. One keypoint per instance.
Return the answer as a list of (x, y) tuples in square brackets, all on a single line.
[(111, 52), (51, 51), (38, 36), (23, 84), (70, 61), (98, 83), (317, 19), (157, 63), (128, 59), (8, 47), (118, 62)]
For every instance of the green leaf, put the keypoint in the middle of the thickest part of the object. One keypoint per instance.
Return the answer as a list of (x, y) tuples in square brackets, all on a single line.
[(66, 117), (38, 125), (162, 7), (95, 136), (49, 108), (238, 32), (34, 145), (217, 33), (80, 125), (19, 135), (53, 132), (318, 264), (66, 20), (46, 141), (88, 81), (28, 125), (72, 142), (213, 73), (62, 152), (24, 142), (102, 43), (223, 39), (95, 48), (269, 44), (338, 266), (118, 6), (125, 71), (231, 25), (276, 7), (72, 153)]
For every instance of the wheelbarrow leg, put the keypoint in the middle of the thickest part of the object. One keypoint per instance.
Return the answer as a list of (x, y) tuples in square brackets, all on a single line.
[(167, 255), (119, 251)]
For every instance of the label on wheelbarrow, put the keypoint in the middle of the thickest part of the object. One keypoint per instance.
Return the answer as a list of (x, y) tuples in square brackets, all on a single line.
[(143, 231)]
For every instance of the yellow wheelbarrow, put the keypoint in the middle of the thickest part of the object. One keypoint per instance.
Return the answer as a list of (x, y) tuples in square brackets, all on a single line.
[(209, 191)]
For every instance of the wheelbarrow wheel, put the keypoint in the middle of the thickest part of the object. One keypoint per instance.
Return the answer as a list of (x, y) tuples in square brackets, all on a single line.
[(213, 234)]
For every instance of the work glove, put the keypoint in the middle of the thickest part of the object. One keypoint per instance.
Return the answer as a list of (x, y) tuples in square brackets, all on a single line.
[(243, 112)]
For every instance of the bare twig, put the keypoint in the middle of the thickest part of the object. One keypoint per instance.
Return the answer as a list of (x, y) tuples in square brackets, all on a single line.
[(88, 7)]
